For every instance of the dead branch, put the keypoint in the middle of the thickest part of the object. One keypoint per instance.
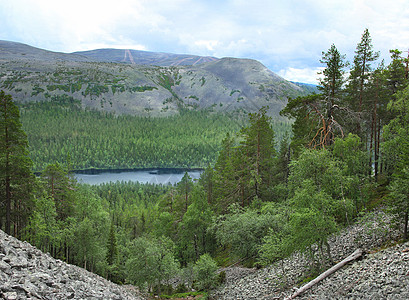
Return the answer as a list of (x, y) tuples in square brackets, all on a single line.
[(352, 257)]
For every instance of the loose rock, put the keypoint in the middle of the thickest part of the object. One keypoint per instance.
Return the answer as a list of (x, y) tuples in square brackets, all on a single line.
[(27, 273), (380, 275)]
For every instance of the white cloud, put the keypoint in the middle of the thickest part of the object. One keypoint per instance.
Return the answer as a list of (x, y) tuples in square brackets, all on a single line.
[(301, 75), (287, 36), (207, 44)]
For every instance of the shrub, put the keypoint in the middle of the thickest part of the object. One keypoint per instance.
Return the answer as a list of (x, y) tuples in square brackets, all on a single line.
[(205, 271)]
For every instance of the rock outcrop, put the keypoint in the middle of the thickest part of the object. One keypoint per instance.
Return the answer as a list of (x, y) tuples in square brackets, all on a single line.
[(28, 273), (381, 274)]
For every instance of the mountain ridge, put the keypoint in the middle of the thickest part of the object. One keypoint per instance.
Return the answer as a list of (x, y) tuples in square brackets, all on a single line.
[(128, 87), (144, 57)]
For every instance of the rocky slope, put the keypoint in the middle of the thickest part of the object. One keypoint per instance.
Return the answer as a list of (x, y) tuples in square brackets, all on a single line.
[(381, 274), (27, 273), (227, 84)]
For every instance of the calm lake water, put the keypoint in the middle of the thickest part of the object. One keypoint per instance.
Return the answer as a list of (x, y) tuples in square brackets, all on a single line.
[(143, 176)]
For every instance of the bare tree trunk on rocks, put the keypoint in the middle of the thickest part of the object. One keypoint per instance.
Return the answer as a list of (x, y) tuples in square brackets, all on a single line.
[(327, 273)]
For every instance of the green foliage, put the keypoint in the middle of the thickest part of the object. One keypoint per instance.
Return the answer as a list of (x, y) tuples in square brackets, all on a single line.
[(258, 203), (95, 90), (42, 228), (194, 239), (399, 200), (349, 150), (258, 150), (59, 186), (396, 144), (111, 246), (37, 90), (187, 295), (133, 207), (306, 122), (358, 97), (245, 172), (276, 244), (242, 231), (355, 168), (141, 89), (397, 151), (313, 218), (317, 169), (321, 196), (91, 229), (205, 271), (99, 140), (16, 178), (150, 262), (333, 75)]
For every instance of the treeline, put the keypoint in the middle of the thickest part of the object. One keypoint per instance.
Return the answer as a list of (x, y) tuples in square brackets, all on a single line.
[(261, 201), (61, 128)]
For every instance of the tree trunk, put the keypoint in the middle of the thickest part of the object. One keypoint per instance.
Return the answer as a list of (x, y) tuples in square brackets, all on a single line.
[(327, 273), (8, 205), (378, 166)]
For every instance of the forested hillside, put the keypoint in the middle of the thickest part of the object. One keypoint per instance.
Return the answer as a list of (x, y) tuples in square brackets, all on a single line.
[(261, 201), (60, 129)]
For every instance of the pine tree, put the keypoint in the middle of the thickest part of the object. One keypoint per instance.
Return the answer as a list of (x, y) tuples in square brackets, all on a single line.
[(16, 178), (331, 86), (359, 75), (396, 72)]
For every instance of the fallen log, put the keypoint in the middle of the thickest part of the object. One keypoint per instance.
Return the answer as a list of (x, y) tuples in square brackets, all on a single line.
[(331, 270)]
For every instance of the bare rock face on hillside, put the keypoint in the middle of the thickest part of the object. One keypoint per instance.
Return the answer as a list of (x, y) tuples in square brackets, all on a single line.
[(27, 273), (152, 85)]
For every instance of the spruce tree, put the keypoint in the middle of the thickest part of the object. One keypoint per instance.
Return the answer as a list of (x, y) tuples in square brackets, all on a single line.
[(112, 250), (59, 186), (331, 84), (258, 148)]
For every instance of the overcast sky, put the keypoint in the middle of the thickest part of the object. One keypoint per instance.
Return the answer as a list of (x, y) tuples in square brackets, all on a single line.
[(287, 36)]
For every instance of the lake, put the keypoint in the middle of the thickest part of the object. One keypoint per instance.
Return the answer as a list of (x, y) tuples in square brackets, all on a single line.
[(155, 176)]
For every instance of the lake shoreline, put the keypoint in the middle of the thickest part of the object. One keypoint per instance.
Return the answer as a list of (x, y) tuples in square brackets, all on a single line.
[(95, 171), (145, 175)]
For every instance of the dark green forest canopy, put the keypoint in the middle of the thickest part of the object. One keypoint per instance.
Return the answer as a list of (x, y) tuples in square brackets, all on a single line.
[(60, 128)]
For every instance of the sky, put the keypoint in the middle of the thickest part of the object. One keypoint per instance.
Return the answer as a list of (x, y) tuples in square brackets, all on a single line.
[(287, 36)]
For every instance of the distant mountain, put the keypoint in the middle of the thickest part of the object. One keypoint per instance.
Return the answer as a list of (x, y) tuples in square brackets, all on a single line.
[(17, 51), (308, 87), (137, 57), (140, 82)]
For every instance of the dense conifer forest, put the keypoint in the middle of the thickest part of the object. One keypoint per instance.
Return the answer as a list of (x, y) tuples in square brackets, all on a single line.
[(259, 199), (60, 128)]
